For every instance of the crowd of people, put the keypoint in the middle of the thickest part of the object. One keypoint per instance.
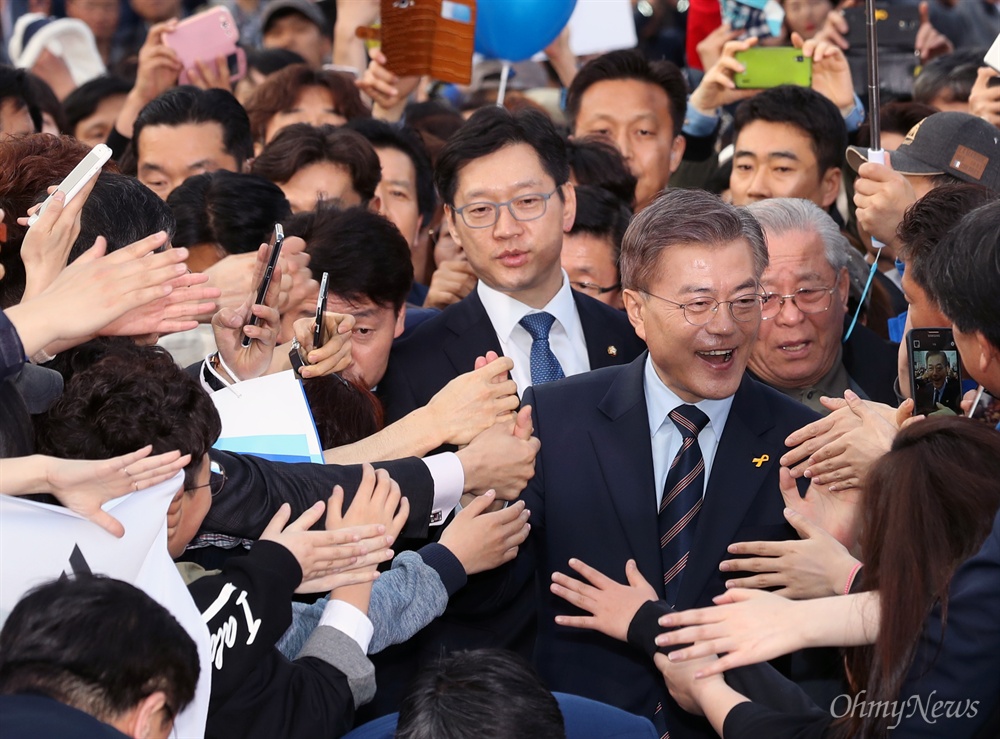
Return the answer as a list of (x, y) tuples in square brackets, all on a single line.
[(624, 429)]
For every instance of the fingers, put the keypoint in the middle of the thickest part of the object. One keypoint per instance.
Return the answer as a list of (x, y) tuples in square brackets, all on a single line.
[(759, 582), (754, 548), (523, 426), (479, 504), (595, 577), (108, 522), (789, 490), (335, 509), (577, 622), (573, 592), (399, 520), (304, 522), (277, 523), (802, 524), (813, 430)]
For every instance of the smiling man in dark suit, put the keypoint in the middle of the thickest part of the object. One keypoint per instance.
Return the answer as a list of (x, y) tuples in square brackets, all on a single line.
[(666, 460), (504, 179)]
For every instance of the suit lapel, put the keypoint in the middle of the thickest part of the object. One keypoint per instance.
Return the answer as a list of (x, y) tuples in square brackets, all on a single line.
[(623, 451), (731, 490), (602, 343), (472, 334)]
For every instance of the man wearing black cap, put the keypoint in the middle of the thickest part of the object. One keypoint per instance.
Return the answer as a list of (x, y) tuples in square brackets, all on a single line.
[(299, 26), (942, 148)]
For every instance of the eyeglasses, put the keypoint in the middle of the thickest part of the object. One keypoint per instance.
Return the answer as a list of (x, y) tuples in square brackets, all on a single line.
[(485, 213), (216, 481), (700, 312), (592, 288), (806, 299)]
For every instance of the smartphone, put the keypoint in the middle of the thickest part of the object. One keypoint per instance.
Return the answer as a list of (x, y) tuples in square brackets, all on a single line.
[(896, 26), (206, 36), (319, 337), (82, 173), (935, 370), (771, 66), (985, 408), (992, 60), (277, 239)]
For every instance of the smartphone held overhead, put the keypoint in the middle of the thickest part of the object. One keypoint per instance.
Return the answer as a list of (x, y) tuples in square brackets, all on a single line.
[(770, 66), (206, 37), (274, 248), (82, 173)]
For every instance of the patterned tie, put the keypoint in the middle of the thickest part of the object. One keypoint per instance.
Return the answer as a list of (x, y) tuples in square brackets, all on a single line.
[(682, 496), (544, 365)]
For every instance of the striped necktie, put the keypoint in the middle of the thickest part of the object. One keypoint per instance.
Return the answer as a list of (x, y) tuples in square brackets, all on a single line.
[(682, 497)]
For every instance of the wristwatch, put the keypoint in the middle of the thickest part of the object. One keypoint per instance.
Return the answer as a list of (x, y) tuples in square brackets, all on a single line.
[(295, 357)]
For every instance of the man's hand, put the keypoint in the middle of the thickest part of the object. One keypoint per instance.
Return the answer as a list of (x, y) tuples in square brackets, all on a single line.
[(212, 74), (612, 605), (333, 357), (46, 245), (387, 91), (229, 327), (158, 69), (710, 48), (814, 566), (189, 297), (452, 280), (831, 74), (717, 87), (836, 513), (882, 196), (502, 458), (930, 41), (483, 540), (474, 401), (984, 100), (835, 27), (378, 500), (323, 555)]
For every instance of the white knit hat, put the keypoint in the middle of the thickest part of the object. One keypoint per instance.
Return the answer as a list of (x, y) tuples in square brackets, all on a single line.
[(68, 38)]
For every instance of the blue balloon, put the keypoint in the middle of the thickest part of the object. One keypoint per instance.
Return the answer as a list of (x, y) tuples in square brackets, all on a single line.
[(514, 30)]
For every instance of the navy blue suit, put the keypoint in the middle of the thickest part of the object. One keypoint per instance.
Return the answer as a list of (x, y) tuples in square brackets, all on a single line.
[(592, 497), (445, 346)]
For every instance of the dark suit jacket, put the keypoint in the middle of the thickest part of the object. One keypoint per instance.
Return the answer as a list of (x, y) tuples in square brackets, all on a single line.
[(447, 345), (950, 398), (592, 498), (871, 361)]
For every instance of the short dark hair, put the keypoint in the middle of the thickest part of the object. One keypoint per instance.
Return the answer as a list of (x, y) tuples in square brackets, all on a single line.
[(677, 217), (281, 89), (491, 129), (805, 109), (365, 254), (928, 221), (236, 211), (594, 161), (187, 104), (629, 64), (897, 117), (130, 396), (962, 273), (300, 145), (84, 100), (45, 98), (602, 214), (14, 86), (952, 75), (481, 694), (382, 135), (99, 645)]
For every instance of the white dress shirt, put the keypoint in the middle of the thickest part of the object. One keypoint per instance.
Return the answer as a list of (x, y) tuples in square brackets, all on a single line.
[(566, 338), (666, 439)]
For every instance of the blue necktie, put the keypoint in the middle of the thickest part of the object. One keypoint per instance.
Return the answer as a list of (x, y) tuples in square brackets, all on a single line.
[(544, 365), (682, 496)]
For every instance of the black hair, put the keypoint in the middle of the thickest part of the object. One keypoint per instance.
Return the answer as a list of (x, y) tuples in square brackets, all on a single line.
[(630, 64), (99, 645), (130, 396), (45, 98), (300, 145), (479, 694), (602, 214), (962, 273), (952, 74), (897, 117), (84, 100), (804, 109), (14, 86), (365, 254), (269, 61), (382, 135), (594, 161), (344, 411), (491, 129), (187, 104), (235, 211)]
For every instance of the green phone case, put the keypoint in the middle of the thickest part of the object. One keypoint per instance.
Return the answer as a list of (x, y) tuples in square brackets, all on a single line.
[(768, 67)]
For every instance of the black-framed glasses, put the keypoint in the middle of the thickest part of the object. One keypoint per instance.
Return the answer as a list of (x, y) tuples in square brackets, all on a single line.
[(216, 481), (593, 289), (806, 299), (485, 213), (700, 312)]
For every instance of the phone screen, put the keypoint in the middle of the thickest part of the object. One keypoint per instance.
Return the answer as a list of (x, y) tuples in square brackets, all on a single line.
[(274, 247), (985, 408), (935, 371)]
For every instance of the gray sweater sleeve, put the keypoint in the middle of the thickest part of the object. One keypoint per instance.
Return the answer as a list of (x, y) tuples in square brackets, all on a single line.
[(404, 600), (339, 650)]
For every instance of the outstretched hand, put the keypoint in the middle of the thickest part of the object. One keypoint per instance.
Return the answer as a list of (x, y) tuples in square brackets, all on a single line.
[(611, 605)]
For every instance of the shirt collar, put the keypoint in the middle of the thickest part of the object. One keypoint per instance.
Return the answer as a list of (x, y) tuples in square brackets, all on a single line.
[(660, 400), (505, 312)]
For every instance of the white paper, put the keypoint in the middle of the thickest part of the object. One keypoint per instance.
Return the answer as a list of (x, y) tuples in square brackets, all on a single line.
[(597, 26)]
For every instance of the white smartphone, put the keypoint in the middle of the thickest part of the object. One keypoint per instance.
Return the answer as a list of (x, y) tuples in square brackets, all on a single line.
[(82, 173), (992, 57)]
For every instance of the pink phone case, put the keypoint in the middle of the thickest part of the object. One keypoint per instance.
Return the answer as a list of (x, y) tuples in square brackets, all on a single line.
[(205, 37)]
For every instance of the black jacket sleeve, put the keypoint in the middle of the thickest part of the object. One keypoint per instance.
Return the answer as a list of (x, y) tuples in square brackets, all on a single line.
[(255, 488)]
